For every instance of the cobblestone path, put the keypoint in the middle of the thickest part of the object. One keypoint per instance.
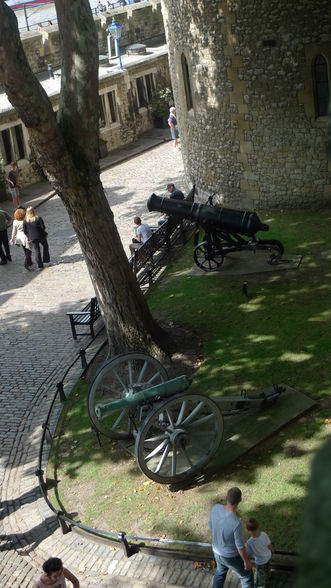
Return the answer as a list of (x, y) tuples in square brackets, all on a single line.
[(36, 346)]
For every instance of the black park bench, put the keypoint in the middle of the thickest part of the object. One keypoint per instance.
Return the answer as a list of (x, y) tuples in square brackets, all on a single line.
[(143, 262), (85, 317)]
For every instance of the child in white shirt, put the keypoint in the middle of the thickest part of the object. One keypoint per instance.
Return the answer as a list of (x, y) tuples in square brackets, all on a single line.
[(259, 546)]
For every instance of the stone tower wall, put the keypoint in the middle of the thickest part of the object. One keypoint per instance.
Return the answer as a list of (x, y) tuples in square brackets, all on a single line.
[(252, 135)]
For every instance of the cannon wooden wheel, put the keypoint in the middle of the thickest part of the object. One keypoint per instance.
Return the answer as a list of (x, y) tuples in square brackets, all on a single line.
[(121, 377), (208, 257), (178, 438)]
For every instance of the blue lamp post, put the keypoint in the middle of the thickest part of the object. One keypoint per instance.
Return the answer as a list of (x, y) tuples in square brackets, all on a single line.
[(115, 30)]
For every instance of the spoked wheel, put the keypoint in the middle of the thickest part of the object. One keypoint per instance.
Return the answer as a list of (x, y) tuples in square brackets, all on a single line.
[(208, 257), (275, 248), (178, 438), (118, 378)]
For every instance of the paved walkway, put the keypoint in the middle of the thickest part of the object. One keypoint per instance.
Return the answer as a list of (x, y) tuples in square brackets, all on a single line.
[(36, 346)]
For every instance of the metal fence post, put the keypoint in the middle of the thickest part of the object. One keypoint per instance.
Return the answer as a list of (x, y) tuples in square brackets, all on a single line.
[(129, 550), (60, 390), (65, 528), (82, 354), (48, 434)]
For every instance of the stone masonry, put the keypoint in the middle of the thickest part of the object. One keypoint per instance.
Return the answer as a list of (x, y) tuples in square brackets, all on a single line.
[(251, 133)]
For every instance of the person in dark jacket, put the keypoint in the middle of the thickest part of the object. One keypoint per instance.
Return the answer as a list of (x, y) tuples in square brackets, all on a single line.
[(14, 184), (34, 228), (174, 192), (5, 219)]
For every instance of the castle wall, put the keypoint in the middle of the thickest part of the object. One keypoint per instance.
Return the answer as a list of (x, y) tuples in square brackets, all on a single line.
[(139, 22), (252, 134)]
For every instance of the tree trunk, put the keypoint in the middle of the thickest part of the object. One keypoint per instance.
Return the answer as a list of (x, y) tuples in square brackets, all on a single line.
[(67, 150)]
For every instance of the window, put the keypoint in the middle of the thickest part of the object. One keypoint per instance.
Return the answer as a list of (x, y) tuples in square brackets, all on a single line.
[(19, 141), (149, 79), (145, 88), (102, 114), (112, 106), (108, 109), (142, 100), (321, 86), (12, 144), (187, 83)]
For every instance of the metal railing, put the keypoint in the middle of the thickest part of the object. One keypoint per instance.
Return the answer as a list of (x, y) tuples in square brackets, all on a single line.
[(37, 24), (131, 544)]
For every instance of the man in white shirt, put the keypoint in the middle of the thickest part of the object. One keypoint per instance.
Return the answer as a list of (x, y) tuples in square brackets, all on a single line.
[(143, 232), (228, 542)]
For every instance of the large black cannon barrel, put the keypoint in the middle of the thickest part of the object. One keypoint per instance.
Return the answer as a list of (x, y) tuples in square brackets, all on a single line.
[(227, 219)]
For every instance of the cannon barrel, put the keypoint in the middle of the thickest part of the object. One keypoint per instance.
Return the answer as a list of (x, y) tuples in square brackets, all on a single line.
[(227, 219)]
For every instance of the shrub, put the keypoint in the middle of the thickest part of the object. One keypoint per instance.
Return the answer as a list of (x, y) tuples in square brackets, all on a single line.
[(161, 100)]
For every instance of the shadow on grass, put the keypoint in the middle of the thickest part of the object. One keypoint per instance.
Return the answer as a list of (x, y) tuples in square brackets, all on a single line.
[(75, 445), (280, 334)]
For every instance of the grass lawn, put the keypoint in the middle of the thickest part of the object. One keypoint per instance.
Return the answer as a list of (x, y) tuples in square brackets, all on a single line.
[(280, 334)]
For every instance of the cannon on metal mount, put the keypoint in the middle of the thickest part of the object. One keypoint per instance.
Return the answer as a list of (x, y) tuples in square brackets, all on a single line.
[(175, 432), (225, 230)]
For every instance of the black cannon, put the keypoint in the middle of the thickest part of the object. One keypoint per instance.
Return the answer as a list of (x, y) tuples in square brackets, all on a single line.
[(224, 230)]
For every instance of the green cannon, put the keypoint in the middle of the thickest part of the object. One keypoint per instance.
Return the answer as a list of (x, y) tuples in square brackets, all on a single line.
[(175, 432)]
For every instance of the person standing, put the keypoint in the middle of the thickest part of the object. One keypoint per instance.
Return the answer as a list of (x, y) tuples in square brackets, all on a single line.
[(228, 542), (34, 229), (172, 122), (18, 237), (14, 184), (5, 220), (259, 546), (55, 575), (143, 232), (175, 194)]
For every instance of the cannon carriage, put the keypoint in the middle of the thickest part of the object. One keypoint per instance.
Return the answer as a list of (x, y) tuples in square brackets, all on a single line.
[(225, 231), (175, 433)]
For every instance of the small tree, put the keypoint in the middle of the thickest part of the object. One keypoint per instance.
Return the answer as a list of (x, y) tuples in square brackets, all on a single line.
[(66, 147), (161, 100)]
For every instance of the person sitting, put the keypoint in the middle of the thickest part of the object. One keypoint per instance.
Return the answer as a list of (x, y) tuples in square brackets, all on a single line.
[(143, 232), (175, 194)]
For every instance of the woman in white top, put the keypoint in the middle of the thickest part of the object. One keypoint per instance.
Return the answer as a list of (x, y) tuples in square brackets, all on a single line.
[(55, 575), (18, 237)]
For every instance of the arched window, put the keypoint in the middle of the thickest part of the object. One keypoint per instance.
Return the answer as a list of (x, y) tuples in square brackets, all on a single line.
[(321, 86), (187, 83)]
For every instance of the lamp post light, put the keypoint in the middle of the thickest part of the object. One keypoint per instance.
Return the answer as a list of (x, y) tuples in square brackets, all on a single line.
[(115, 30)]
